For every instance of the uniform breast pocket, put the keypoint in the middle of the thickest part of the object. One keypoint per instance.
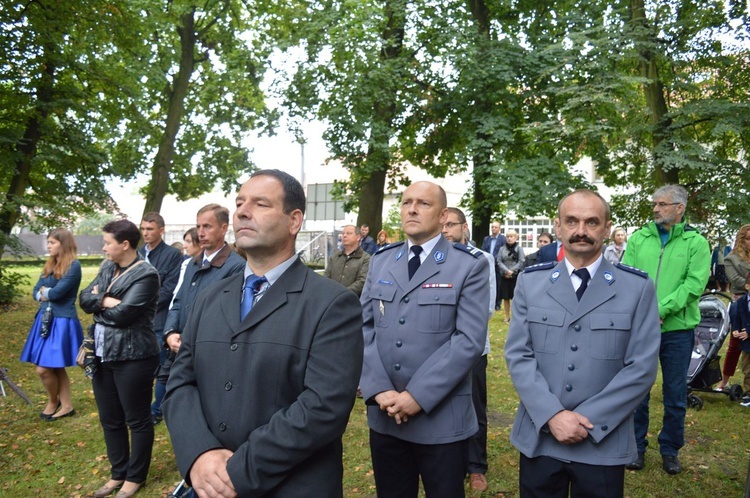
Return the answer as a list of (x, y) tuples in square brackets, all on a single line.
[(381, 298), (545, 326), (610, 335), (436, 310)]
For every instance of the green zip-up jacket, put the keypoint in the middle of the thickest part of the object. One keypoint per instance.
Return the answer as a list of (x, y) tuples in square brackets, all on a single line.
[(679, 270)]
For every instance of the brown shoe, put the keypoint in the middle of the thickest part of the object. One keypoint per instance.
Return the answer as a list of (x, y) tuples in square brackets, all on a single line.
[(478, 482), (107, 490)]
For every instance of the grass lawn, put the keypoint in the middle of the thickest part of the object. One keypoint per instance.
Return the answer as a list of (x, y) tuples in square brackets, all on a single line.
[(68, 457)]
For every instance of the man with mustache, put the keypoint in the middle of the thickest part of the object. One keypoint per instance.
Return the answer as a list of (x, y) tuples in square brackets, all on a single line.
[(581, 352), (678, 258)]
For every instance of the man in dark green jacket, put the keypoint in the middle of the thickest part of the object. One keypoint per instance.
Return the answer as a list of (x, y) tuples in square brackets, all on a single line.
[(349, 265), (678, 260)]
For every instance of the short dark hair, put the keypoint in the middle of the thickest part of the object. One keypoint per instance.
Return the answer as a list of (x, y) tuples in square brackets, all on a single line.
[(546, 234), (193, 232), (459, 213), (123, 230), (220, 212), (154, 217), (294, 194)]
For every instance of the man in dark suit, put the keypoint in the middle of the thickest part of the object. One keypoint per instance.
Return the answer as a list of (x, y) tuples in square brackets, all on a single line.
[(365, 242), (257, 405), (582, 354), (425, 327), (552, 252), (492, 244), (167, 260)]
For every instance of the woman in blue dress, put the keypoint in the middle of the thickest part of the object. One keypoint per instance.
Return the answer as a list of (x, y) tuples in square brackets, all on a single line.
[(53, 346)]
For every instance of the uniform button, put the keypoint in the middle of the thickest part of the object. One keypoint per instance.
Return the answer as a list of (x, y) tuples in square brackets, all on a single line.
[(574, 348), (604, 428), (222, 427), (544, 318), (193, 284), (399, 344), (234, 346), (577, 328), (436, 298), (228, 386), (571, 367), (402, 320), (406, 299), (568, 387), (380, 293), (397, 366), (611, 323)]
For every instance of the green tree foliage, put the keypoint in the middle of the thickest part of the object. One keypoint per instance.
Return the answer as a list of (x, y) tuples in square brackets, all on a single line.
[(58, 79), (202, 65)]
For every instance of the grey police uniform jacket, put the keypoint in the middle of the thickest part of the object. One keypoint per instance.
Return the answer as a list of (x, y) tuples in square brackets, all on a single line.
[(597, 357), (424, 335)]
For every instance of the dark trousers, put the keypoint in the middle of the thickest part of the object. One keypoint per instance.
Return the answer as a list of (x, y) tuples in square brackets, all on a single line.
[(478, 442), (122, 390), (498, 278), (160, 387), (398, 464), (545, 477), (674, 356)]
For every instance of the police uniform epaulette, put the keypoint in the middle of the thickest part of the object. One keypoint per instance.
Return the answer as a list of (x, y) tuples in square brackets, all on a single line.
[(468, 249), (540, 266), (389, 247), (632, 269)]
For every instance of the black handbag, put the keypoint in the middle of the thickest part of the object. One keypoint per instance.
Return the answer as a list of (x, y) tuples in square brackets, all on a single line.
[(46, 321)]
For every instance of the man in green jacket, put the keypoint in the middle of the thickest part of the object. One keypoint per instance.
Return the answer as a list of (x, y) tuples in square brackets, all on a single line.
[(678, 260)]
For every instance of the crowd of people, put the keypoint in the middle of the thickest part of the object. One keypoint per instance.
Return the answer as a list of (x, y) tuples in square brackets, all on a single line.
[(254, 361)]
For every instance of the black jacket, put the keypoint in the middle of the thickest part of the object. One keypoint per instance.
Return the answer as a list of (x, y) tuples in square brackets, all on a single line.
[(129, 332), (168, 261)]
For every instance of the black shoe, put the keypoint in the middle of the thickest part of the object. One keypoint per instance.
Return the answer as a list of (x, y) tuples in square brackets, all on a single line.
[(638, 463), (671, 464), (156, 419), (69, 414)]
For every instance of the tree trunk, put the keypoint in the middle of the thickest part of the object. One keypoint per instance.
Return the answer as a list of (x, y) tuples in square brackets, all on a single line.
[(653, 91), (159, 182), (481, 212), (378, 159), (26, 148)]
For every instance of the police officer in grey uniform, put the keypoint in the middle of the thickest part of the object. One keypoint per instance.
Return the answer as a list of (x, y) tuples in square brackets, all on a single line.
[(425, 324), (582, 354)]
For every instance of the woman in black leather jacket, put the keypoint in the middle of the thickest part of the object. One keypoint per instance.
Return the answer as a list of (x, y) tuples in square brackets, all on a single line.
[(123, 299)]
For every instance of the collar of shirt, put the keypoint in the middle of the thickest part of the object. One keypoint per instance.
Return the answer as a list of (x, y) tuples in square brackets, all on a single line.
[(427, 247), (592, 268), (273, 274), (210, 257)]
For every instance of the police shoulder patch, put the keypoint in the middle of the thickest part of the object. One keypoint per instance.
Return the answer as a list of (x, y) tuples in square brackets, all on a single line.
[(632, 269), (468, 249), (540, 266), (389, 247)]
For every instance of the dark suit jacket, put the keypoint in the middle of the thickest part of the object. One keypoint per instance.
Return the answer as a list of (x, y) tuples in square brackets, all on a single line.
[(547, 253), (487, 243), (168, 261), (276, 388), (741, 320)]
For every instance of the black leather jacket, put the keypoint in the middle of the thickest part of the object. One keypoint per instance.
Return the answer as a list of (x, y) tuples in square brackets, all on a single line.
[(129, 331)]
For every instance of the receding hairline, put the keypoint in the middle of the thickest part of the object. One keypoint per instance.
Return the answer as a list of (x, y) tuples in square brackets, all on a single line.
[(585, 192), (436, 189)]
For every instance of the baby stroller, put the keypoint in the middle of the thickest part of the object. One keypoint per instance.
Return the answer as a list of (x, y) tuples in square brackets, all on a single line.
[(705, 363)]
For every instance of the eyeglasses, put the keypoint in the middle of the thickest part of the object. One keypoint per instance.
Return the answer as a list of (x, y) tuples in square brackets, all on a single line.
[(451, 224), (664, 204)]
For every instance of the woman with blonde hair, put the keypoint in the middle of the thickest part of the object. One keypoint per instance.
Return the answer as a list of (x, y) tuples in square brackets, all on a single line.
[(737, 266), (509, 260), (56, 334), (381, 240), (616, 249)]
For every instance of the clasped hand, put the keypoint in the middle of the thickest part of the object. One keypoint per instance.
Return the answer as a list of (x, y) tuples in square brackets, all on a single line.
[(569, 427), (399, 405), (209, 476)]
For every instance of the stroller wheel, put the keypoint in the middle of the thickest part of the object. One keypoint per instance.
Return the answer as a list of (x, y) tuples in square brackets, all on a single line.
[(694, 401), (735, 392)]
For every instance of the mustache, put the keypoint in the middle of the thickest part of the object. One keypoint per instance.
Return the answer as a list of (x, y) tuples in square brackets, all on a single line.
[(582, 238)]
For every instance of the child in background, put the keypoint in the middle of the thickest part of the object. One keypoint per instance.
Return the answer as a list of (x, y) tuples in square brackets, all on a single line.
[(740, 325)]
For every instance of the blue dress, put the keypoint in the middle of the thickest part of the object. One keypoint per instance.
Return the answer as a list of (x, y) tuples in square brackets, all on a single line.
[(60, 347)]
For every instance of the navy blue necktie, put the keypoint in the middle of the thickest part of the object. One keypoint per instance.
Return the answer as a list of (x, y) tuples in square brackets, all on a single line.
[(252, 286), (583, 274), (414, 262)]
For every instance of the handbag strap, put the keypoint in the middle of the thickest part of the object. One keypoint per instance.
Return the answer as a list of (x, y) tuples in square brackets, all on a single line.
[(140, 261)]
